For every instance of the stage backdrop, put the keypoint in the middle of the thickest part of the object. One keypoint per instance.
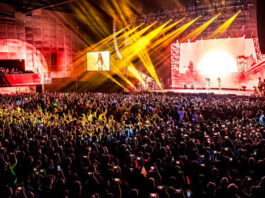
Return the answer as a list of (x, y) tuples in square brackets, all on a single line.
[(224, 58)]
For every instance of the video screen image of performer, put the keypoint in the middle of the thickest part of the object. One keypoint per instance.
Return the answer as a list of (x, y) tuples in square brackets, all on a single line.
[(100, 62)]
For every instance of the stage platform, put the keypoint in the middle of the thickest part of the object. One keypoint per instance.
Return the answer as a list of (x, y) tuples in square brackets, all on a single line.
[(204, 91)]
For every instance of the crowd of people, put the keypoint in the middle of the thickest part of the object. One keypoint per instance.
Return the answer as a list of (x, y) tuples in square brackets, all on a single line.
[(136, 146), (4, 71)]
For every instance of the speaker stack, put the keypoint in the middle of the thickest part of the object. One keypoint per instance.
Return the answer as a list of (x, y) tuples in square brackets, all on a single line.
[(261, 24)]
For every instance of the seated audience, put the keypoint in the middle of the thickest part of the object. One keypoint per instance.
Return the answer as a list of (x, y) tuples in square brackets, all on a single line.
[(4, 71)]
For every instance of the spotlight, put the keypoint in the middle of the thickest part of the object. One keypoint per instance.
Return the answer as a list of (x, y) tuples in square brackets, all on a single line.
[(222, 61)]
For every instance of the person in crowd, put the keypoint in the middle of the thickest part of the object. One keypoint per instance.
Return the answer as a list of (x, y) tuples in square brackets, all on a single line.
[(260, 84), (263, 87), (4, 70), (131, 145)]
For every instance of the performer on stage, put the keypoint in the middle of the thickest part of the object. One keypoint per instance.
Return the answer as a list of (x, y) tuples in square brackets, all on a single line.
[(195, 84), (208, 83), (100, 62), (219, 82)]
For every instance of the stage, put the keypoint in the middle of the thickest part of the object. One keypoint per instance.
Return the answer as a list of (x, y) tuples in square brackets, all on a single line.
[(204, 91)]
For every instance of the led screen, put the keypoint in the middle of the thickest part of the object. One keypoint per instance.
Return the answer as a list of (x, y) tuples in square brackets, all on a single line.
[(98, 61)]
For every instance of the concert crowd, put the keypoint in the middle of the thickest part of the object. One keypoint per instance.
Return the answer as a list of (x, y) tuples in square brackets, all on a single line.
[(136, 146)]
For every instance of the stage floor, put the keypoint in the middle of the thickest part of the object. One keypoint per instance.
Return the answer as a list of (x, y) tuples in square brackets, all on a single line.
[(204, 91)]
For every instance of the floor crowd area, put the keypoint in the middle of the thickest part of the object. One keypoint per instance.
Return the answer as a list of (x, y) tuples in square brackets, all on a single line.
[(82, 145)]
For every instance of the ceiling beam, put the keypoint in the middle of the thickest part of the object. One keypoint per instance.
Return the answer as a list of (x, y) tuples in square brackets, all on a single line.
[(50, 5)]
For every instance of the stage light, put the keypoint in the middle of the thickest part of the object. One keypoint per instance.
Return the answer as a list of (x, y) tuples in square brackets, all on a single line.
[(198, 31), (217, 63), (219, 31), (165, 41)]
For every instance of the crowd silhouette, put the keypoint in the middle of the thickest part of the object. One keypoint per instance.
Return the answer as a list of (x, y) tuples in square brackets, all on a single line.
[(122, 145)]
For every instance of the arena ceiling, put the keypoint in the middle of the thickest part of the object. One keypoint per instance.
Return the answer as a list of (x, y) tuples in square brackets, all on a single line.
[(30, 5), (65, 5)]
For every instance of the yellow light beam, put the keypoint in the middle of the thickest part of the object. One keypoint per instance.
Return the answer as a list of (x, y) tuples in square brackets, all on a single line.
[(114, 80), (87, 13), (139, 49), (108, 44), (121, 38), (165, 41), (121, 64), (97, 45), (117, 71), (120, 12), (147, 62), (193, 35), (219, 31), (145, 57), (133, 38), (139, 43), (104, 42), (135, 73), (164, 31)]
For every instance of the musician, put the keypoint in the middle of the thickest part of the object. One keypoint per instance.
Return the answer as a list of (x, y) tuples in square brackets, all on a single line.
[(208, 83), (219, 82), (195, 84)]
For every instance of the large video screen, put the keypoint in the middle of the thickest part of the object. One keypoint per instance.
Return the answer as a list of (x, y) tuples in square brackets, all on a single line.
[(214, 59), (98, 61)]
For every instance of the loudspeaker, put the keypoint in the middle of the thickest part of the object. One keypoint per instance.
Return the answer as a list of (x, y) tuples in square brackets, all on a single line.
[(261, 24)]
